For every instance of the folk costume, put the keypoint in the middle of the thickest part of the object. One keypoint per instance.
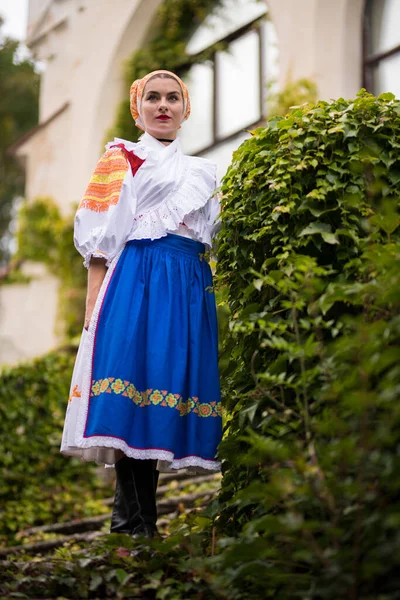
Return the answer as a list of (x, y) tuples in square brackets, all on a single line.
[(145, 390)]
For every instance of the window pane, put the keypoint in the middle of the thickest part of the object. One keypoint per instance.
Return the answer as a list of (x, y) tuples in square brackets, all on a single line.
[(231, 15), (222, 154), (385, 25), (196, 133), (386, 76), (270, 60), (238, 85)]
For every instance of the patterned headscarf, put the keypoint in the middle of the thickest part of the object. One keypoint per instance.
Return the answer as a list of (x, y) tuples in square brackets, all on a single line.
[(136, 93)]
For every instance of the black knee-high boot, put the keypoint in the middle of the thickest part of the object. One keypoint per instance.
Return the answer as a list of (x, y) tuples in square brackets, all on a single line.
[(135, 510), (120, 513)]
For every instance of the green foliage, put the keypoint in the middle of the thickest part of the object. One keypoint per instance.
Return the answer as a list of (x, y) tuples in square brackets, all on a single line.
[(39, 225), (45, 236), (174, 23), (294, 93), (14, 274), (39, 485), (19, 96), (168, 570), (309, 251)]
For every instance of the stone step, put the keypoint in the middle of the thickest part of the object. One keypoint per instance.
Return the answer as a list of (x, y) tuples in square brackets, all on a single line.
[(88, 529), (87, 537)]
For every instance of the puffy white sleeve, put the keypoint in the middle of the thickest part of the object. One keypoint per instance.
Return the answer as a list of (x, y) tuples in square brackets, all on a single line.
[(212, 212), (105, 215)]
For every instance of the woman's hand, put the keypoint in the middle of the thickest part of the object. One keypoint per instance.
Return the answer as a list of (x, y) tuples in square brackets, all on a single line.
[(90, 303), (96, 274)]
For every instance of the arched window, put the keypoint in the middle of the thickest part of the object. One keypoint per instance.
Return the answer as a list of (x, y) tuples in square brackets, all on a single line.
[(229, 90), (382, 46)]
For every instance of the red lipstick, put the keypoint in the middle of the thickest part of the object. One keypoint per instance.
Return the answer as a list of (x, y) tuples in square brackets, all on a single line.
[(163, 117)]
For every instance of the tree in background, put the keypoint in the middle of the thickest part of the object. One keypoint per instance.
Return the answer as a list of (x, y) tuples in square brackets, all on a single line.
[(19, 103)]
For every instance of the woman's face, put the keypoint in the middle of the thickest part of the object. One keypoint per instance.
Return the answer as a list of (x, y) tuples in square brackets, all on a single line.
[(162, 107)]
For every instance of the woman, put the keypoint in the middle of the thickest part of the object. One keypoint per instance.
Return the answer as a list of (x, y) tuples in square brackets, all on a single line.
[(145, 390)]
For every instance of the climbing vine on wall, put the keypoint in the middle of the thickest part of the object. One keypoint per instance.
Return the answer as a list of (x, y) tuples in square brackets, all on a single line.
[(45, 236)]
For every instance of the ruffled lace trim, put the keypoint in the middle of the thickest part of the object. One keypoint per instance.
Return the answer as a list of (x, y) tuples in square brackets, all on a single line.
[(183, 204), (107, 451), (198, 226), (90, 255)]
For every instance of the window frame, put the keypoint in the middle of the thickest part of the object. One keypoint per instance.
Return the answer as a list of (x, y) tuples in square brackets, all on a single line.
[(256, 26), (371, 61)]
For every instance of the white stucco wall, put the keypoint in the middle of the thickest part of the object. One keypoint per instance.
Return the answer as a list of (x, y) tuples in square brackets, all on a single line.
[(35, 10), (320, 40), (84, 57), (28, 316), (45, 157)]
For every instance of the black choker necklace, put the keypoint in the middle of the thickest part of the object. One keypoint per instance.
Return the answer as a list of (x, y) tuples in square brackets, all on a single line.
[(164, 140)]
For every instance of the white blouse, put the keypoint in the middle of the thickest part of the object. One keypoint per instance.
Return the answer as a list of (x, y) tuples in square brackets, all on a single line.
[(146, 190)]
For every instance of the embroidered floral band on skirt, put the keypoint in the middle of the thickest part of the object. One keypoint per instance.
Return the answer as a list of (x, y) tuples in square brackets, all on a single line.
[(152, 383)]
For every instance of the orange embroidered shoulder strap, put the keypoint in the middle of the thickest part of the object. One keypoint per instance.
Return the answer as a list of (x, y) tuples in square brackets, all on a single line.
[(106, 182)]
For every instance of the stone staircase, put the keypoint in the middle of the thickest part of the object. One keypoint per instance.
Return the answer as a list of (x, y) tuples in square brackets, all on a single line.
[(173, 499)]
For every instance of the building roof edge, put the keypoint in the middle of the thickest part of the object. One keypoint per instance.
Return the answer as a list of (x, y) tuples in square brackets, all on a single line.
[(12, 150)]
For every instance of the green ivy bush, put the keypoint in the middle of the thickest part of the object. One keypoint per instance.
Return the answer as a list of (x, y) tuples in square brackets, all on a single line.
[(45, 236), (39, 485), (309, 252)]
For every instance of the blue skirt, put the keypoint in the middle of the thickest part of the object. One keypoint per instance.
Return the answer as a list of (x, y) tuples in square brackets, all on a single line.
[(154, 379)]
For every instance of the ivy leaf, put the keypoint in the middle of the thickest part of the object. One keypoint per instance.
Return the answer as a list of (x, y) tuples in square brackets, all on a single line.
[(329, 238), (95, 582), (388, 223), (337, 129), (122, 575), (249, 412), (387, 96), (316, 227), (350, 132)]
